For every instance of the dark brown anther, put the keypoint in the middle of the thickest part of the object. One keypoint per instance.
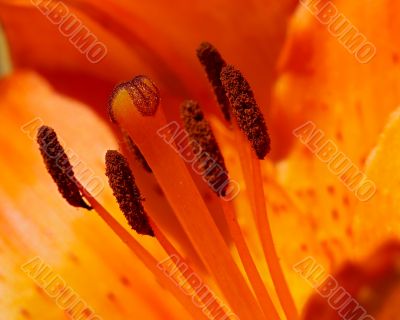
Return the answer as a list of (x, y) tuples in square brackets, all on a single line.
[(126, 192), (59, 167), (245, 110), (205, 146), (213, 63)]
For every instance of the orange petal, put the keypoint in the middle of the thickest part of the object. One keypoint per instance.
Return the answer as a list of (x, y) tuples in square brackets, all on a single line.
[(378, 219), (321, 81), (373, 283), (36, 221), (157, 39), (285, 214)]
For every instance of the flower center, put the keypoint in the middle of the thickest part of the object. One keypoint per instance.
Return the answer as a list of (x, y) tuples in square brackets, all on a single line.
[(138, 114)]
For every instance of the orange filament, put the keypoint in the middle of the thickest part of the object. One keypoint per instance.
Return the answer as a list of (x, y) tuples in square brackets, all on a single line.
[(199, 289), (142, 254), (211, 304), (188, 205), (267, 242), (248, 263), (253, 178)]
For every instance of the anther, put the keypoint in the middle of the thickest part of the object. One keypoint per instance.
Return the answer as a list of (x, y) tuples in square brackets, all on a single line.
[(213, 63), (245, 109), (59, 167), (126, 192), (205, 146)]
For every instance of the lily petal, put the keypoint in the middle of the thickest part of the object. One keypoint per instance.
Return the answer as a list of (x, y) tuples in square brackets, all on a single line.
[(378, 219), (322, 83), (36, 222), (140, 38)]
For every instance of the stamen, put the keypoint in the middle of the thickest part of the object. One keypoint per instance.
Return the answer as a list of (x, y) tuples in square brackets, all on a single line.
[(253, 178), (267, 242), (246, 111), (59, 167), (204, 143), (118, 168), (251, 122), (213, 63), (52, 151), (133, 148), (144, 256), (126, 192), (202, 137)]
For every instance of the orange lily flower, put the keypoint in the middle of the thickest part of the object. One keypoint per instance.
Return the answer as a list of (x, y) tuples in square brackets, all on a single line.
[(305, 81)]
